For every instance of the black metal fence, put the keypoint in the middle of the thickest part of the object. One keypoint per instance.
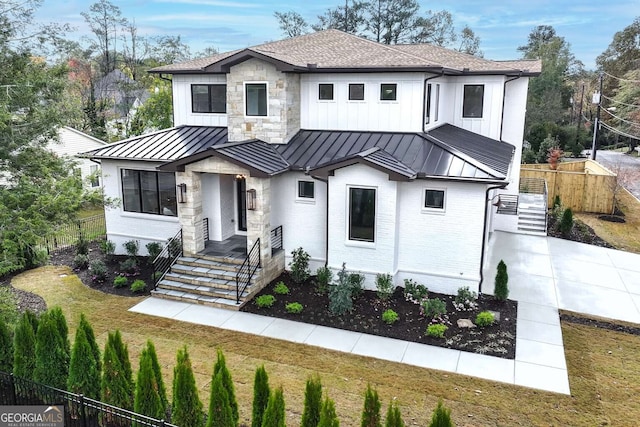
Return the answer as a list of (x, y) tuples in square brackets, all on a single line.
[(79, 411), (276, 239), (89, 229)]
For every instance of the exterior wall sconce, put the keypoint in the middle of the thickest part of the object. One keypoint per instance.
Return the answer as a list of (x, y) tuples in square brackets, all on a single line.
[(252, 202), (182, 193)]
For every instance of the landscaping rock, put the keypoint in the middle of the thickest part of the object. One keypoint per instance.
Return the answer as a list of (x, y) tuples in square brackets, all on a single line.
[(465, 323)]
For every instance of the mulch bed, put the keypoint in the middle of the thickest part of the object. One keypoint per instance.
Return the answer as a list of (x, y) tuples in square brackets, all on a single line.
[(496, 340), (580, 232)]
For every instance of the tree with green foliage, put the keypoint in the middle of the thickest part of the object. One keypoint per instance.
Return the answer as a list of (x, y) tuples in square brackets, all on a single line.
[(116, 387), (52, 357), (157, 371), (186, 407), (328, 416), (566, 222), (261, 393), (501, 289), (147, 400), (441, 416), (227, 382), (394, 417), (312, 402), (84, 375), (371, 410), (91, 339), (621, 56), (61, 323), (6, 348), (274, 415), (157, 111), (220, 412), (24, 346)]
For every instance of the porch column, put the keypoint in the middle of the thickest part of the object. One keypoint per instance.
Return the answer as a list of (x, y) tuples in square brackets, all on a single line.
[(190, 212), (259, 220)]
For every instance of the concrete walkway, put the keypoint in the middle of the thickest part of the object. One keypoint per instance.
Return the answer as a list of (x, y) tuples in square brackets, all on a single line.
[(544, 274)]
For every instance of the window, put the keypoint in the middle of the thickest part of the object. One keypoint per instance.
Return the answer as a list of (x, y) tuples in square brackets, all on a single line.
[(473, 99), (209, 98), (149, 192), (434, 199), (427, 107), (437, 104), (306, 189), (325, 91), (388, 91), (362, 214), (256, 99), (94, 178), (356, 91)]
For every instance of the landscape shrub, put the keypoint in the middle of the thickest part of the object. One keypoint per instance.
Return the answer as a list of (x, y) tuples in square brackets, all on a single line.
[(324, 276), (436, 330), (465, 300), (24, 345), (220, 368), (108, 248), (153, 249), (485, 318), (80, 262), (371, 410), (294, 308), (384, 286), (138, 286), (82, 246), (8, 306), (389, 317), (116, 386), (261, 393), (394, 417), (312, 402), (99, 271), (6, 347), (281, 289), (265, 301), (52, 354), (132, 247), (414, 291), (186, 407), (120, 282), (84, 373), (501, 288), (328, 416), (129, 267), (433, 307), (150, 396), (274, 415), (340, 294), (299, 265), (566, 222), (91, 339), (356, 284), (220, 414), (441, 416)]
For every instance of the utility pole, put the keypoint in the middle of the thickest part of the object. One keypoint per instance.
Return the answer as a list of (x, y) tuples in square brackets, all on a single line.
[(580, 116), (597, 122)]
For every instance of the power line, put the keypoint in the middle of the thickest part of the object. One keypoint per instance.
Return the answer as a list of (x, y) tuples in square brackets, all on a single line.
[(619, 132), (620, 78), (620, 102), (621, 119)]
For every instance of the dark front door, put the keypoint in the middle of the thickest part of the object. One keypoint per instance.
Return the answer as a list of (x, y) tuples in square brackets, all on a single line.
[(241, 188)]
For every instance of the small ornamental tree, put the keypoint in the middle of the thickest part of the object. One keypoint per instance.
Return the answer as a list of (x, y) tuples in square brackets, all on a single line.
[(566, 222), (220, 413), (61, 322), (24, 346), (371, 410), (52, 358), (501, 289), (441, 416), (162, 392), (84, 377), (227, 382), (186, 408), (394, 417), (91, 339), (299, 265), (274, 415), (116, 387), (312, 402), (6, 348), (260, 396), (328, 417), (147, 400)]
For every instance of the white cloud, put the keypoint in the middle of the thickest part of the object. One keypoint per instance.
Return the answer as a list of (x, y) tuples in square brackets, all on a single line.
[(216, 3)]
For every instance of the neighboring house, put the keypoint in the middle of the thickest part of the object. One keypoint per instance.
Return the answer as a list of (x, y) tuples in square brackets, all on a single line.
[(386, 158), (71, 142)]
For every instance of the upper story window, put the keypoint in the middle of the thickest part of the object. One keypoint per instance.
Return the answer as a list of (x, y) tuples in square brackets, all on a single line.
[(306, 189), (209, 98), (362, 214), (388, 91), (434, 199), (94, 178), (356, 92), (473, 101), (325, 91), (149, 192), (431, 108), (256, 99)]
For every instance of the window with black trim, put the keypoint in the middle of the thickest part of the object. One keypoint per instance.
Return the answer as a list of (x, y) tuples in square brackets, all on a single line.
[(473, 101), (209, 98), (149, 192), (94, 178), (306, 189), (325, 91), (256, 99), (356, 91), (436, 103), (434, 199), (427, 107), (388, 91), (362, 214)]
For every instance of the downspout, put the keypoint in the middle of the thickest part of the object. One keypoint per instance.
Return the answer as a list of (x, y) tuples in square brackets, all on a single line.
[(484, 231), (326, 228), (504, 96), (424, 101), (173, 113)]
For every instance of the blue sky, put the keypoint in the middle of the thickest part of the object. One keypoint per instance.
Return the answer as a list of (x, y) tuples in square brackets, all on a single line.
[(230, 24)]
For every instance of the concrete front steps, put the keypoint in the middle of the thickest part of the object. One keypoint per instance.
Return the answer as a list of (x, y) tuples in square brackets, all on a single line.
[(532, 220), (207, 280)]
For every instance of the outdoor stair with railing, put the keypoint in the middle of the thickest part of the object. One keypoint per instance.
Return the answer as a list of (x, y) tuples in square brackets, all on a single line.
[(532, 207), (205, 279)]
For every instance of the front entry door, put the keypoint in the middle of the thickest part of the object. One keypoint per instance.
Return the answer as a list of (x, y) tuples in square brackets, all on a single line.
[(241, 189)]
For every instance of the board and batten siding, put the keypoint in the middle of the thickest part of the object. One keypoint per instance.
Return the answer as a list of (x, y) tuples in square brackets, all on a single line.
[(182, 111), (70, 143)]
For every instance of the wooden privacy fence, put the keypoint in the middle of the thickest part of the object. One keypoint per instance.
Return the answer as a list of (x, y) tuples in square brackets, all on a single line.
[(584, 186)]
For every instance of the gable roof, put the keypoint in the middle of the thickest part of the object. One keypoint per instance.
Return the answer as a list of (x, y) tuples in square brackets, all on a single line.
[(334, 50)]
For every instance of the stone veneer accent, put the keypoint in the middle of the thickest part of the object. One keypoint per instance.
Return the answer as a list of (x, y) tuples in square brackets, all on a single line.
[(283, 120)]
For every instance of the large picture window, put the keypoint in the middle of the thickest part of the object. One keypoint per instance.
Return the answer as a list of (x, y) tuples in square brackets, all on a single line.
[(256, 99), (473, 101), (362, 214), (209, 98), (149, 192)]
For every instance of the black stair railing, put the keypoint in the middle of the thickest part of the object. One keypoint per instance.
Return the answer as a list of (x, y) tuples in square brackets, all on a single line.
[(247, 270), (167, 257)]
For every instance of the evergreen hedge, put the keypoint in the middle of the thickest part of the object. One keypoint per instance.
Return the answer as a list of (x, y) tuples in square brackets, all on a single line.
[(220, 412), (6, 347), (52, 354), (227, 382), (84, 377), (394, 417), (24, 346), (371, 410), (312, 402), (186, 407), (147, 400), (261, 393), (91, 339), (441, 416), (116, 387), (328, 417), (274, 415)]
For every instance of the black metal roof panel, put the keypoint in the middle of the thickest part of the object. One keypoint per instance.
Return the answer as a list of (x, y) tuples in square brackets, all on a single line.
[(256, 155)]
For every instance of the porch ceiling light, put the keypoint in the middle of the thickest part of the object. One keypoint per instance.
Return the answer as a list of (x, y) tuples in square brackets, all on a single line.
[(252, 202), (182, 193)]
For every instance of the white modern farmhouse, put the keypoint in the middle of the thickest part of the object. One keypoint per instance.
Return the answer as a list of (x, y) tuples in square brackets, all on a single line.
[(392, 159)]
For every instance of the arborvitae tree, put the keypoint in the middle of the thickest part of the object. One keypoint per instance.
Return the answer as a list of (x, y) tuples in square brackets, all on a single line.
[(371, 410), (84, 377), (6, 348), (116, 387), (566, 222), (501, 289), (147, 400), (274, 415), (162, 392), (441, 416), (328, 417), (61, 322), (312, 402), (186, 408), (52, 358), (220, 413), (227, 382), (91, 339), (394, 418), (33, 320), (24, 346), (260, 396)]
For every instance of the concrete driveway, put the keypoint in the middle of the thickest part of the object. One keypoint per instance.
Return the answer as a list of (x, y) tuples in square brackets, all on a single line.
[(550, 272)]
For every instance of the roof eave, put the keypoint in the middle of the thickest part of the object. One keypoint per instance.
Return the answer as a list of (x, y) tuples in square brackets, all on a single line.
[(224, 65), (180, 164), (328, 169)]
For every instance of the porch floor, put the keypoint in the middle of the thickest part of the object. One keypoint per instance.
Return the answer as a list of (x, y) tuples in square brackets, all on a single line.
[(233, 247)]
